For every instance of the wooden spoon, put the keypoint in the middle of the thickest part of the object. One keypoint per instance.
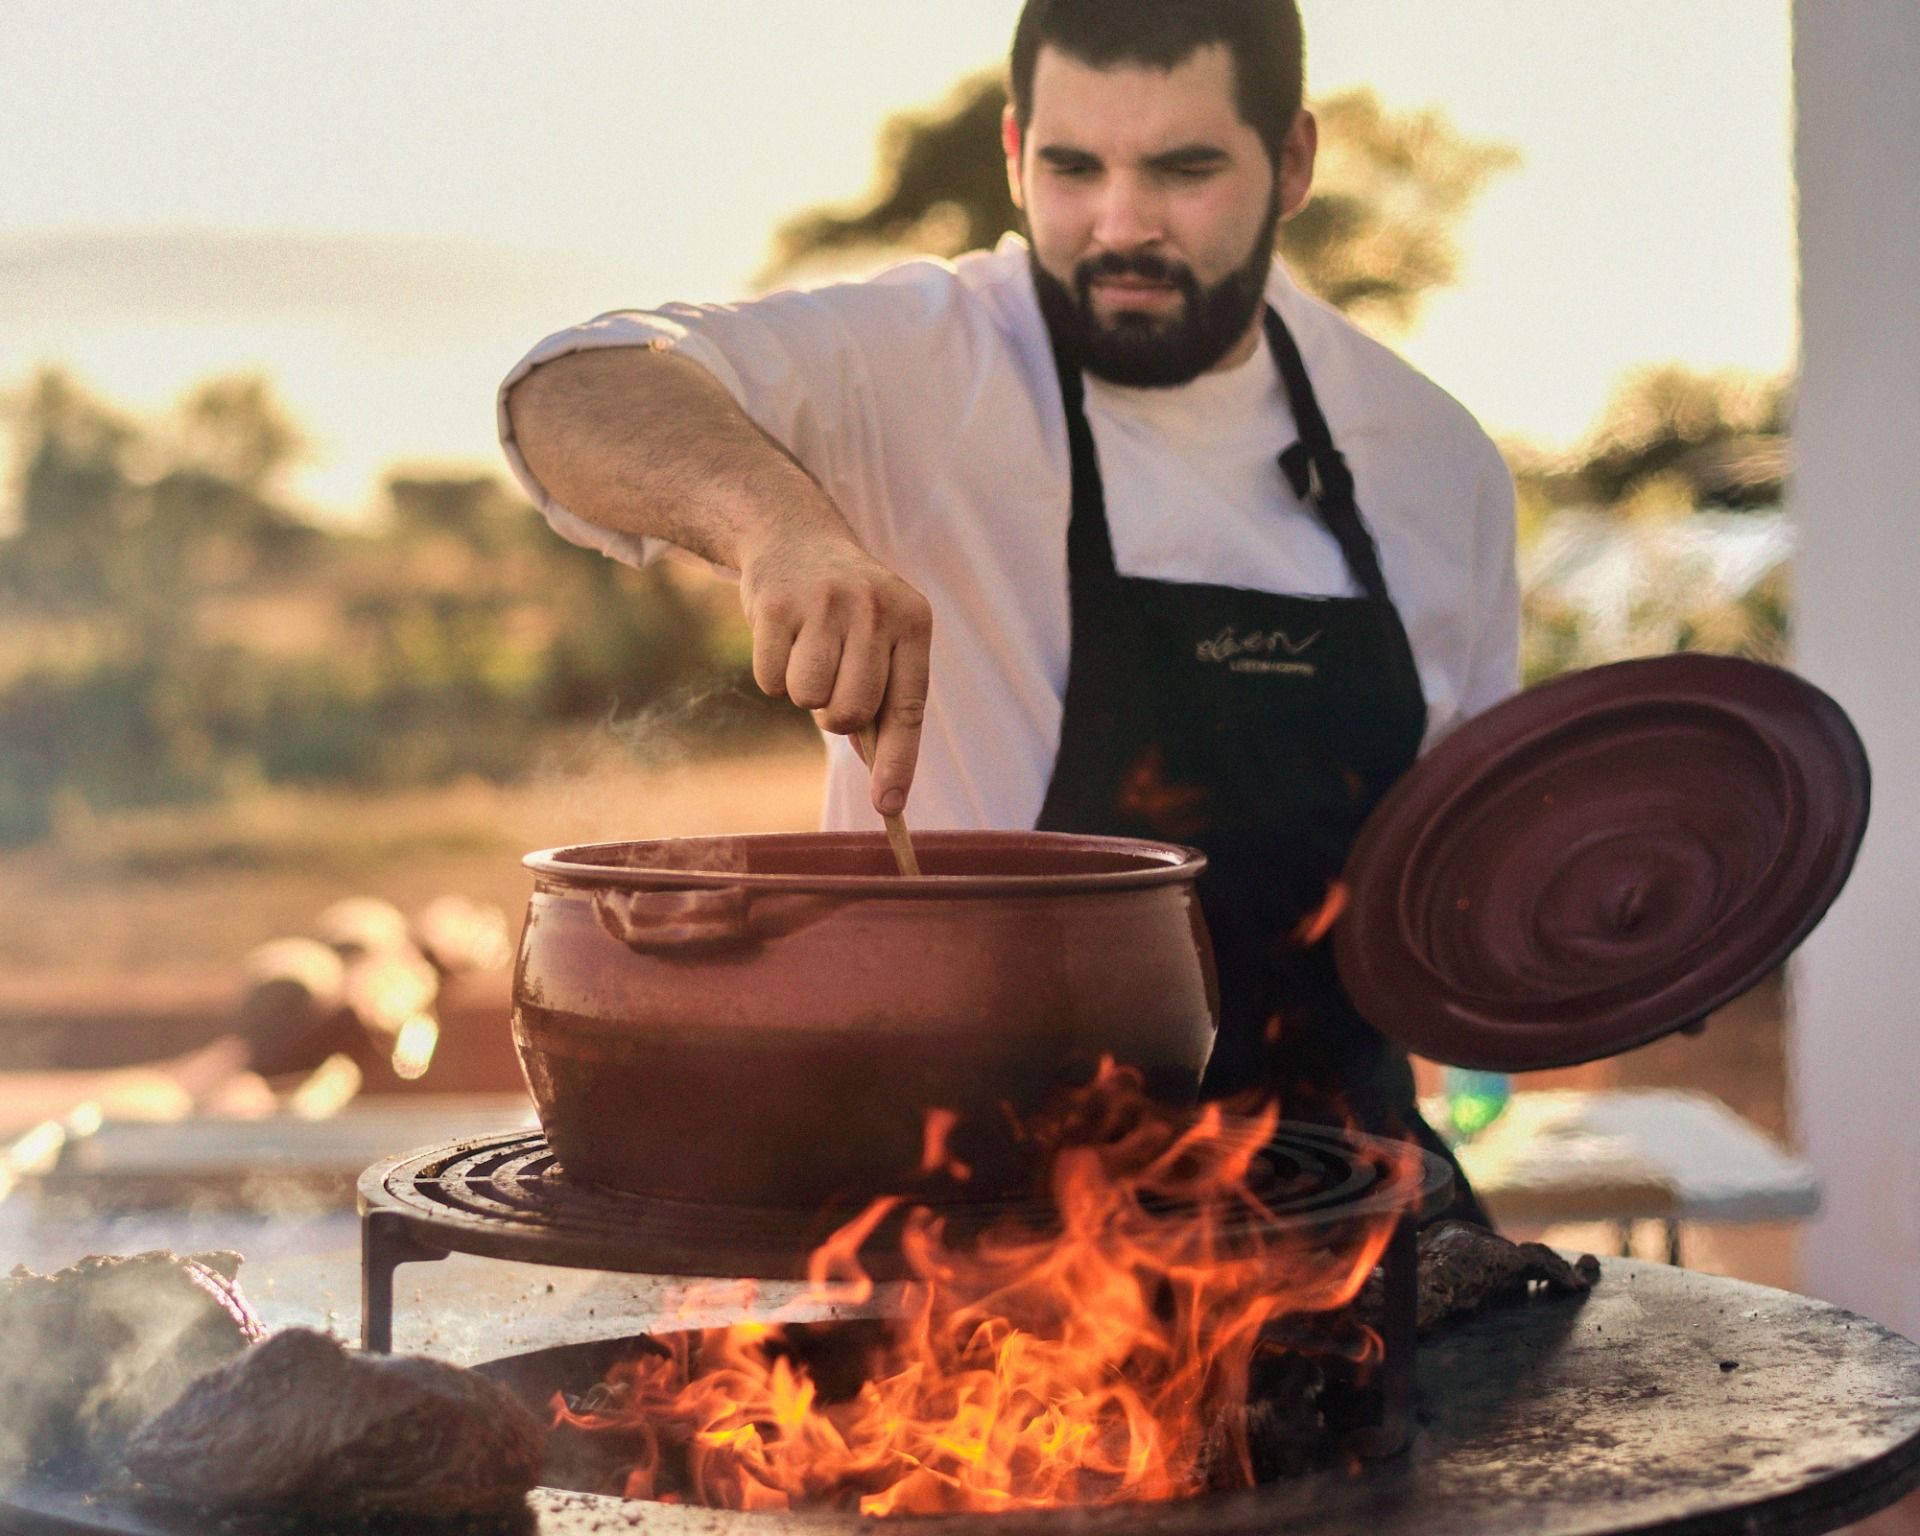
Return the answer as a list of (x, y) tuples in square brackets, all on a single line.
[(896, 825)]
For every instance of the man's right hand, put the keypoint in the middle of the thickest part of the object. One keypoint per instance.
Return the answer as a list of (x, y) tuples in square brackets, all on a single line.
[(838, 633)]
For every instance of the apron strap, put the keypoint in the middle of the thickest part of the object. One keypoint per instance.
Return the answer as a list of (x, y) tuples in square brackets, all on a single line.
[(1317, 470), (1090, 566)]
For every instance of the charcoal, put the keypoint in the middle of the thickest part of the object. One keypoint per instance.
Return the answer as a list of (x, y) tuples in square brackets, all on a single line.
[(1465, 1267), (1307, 1393), (89, 1353), (298, 1423)]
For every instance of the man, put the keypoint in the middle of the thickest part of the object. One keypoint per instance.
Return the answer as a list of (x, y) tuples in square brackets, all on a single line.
[(1114, 532)]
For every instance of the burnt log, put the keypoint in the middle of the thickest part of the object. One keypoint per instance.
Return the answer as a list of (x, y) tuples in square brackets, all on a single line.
[(299, 1424)]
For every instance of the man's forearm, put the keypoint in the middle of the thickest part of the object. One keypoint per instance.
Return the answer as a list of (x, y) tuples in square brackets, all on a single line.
[(641, 441)]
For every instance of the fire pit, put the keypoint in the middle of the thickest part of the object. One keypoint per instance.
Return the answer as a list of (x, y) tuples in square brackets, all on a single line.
[(1614, 1417), (1669, 1402)]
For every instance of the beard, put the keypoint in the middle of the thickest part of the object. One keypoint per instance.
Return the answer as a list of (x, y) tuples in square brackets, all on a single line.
[(1151, 351)]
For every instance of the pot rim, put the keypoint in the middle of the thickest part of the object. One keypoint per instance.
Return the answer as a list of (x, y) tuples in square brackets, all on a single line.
[(1158, 864)]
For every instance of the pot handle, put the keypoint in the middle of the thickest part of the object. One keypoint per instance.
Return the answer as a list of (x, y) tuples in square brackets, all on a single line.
[(675, 920)]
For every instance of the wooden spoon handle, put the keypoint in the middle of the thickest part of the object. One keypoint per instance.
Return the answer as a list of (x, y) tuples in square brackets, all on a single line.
[(896, 825)]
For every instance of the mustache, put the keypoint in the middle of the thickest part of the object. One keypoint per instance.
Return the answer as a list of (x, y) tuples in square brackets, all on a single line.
[(1143, 265)]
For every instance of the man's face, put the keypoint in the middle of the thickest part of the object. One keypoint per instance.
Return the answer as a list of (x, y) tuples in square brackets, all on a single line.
[(1152, 207)]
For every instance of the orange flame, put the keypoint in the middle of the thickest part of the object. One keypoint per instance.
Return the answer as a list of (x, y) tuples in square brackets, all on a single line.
[(935, 1157), (1172, 810), (1090, 1363), (1316, 925)]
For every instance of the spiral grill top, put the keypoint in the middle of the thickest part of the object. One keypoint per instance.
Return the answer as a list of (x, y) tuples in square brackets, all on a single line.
[(507, 1197)]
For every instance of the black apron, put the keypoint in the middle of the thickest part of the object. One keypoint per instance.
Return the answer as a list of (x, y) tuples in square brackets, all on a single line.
[(1260, 728)]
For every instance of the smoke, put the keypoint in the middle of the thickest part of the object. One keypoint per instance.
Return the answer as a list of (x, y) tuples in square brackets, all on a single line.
[(586, 785), (89, 1354), (654, 773)]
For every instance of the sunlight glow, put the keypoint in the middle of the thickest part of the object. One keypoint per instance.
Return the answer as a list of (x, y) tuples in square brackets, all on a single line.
[(442, 184)]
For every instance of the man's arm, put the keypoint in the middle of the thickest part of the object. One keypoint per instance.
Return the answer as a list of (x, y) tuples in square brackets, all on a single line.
[(640, 441)]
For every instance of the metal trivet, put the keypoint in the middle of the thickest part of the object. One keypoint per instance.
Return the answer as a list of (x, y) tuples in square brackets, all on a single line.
[(506, 1197)]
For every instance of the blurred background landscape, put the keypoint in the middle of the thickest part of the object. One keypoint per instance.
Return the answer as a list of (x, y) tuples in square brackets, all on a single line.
[(276, 627)]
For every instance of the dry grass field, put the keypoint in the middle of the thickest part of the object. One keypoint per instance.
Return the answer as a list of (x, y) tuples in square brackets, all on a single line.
[(149, 903)]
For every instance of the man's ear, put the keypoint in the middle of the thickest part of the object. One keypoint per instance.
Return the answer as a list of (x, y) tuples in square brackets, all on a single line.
[(1297, 153), (1010, 142)]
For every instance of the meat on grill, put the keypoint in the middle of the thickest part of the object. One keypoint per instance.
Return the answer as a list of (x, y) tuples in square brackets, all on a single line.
[(1464, 1268), (300, 1424), (89, 1353), (1303, 1392)]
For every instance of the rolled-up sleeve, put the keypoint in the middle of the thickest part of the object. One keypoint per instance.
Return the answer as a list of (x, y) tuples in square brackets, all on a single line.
[(787, 359)]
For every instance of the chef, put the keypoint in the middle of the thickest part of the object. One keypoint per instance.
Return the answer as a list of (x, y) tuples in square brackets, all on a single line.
[(1113, 529)]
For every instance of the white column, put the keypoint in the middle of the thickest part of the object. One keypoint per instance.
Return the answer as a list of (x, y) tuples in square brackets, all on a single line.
[(1856, 493)]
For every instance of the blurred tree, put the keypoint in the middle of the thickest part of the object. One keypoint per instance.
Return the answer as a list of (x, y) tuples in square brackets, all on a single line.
[(233, 428), (478, 510), (76, 504), (114, 515), (1389, 191), (1660, 419), (160, 642), (217, 507), (1377, 236), (1670, 437)]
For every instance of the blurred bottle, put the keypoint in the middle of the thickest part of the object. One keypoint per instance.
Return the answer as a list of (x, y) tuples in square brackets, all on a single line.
[(1474, 1100)]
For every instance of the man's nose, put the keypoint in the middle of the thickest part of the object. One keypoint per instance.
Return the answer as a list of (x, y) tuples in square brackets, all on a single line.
[(1129, 216)]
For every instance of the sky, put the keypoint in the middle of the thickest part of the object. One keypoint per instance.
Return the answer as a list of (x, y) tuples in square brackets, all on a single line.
[(382, 206)]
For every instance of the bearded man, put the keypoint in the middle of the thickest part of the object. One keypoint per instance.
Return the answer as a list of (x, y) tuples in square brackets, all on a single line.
[(1111, 530)]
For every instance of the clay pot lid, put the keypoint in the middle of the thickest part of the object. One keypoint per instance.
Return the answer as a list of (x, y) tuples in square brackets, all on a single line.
[(1601, 860)]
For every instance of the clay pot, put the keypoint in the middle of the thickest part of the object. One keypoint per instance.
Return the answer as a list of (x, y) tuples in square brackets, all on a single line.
[(767, 1020)]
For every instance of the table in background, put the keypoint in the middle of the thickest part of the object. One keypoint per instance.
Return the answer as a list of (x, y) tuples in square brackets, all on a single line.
[(1627, 1155)]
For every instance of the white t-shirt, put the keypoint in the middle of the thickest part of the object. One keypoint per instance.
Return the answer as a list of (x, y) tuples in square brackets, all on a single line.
[(925, 401)]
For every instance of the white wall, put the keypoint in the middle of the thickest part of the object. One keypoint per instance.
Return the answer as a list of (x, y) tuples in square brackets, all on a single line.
[(1856, 493)]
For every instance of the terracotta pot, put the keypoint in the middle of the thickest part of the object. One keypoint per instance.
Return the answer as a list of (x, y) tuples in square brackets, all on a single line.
[(767, 1020)]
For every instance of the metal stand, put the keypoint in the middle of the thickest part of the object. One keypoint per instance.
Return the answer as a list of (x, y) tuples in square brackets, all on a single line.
[(503, 1197), (386, 1242), (1624, 1230), (1399, 1337)]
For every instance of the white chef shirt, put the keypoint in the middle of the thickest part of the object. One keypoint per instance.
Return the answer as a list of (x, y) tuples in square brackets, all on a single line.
[(925, 401)]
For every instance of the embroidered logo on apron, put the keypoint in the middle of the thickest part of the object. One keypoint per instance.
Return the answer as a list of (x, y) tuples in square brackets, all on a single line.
[(1271, 651)]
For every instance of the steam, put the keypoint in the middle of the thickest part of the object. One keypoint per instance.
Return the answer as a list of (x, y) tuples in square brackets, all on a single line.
[(653, 773), (89, 1354)]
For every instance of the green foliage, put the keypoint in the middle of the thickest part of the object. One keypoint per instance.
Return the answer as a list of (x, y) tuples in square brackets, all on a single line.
[(1625, 538), (942, 187), (1376, 237), (1390, 188), (1669, 436), (233, 429), (172, 631)]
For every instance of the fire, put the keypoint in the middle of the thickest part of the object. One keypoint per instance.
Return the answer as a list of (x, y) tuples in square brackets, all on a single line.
[(1172, 810), (1098, 1361), (936, 1158), (1317, 924)]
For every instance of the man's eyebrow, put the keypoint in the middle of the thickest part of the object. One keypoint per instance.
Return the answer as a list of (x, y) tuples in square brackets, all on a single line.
[(1181, 157), (1187, 157)]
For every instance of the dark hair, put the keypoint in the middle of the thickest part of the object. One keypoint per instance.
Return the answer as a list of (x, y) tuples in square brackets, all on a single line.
[(1263, 36)]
